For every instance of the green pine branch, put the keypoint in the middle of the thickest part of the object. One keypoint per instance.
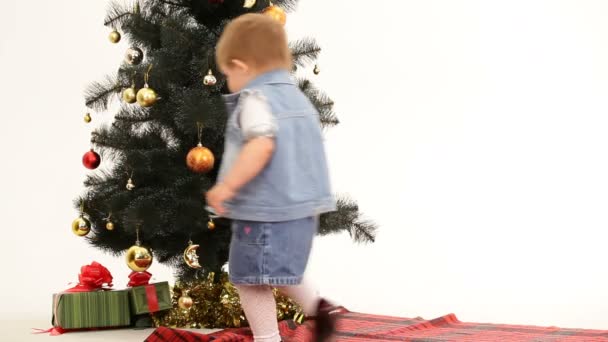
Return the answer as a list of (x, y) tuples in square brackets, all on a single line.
[(118, 14), (347, 217), (127, 140), (322, 103), (99, 94), (304, 51), (287, 5), (173, 3), (132, 114)]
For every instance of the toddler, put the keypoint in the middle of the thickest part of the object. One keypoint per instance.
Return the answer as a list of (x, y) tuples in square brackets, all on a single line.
[(273, 182)]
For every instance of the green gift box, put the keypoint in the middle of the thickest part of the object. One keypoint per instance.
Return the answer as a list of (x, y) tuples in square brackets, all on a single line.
[(150, 298), (95, 309)]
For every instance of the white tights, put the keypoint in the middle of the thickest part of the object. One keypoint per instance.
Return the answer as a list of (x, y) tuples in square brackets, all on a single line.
[(261, 309)]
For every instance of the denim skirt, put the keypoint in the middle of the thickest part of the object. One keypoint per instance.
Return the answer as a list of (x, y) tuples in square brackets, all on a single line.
[(270, 253)]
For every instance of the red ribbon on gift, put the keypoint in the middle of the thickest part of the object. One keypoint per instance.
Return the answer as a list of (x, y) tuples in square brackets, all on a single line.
[(143, 279), (52, 331), (152, 298)]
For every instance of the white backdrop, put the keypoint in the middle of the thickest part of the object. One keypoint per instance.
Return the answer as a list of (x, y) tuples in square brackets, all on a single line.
[(473, 132)]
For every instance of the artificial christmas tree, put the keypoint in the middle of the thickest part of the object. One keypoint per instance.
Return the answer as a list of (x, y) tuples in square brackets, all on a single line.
[(165, 141)]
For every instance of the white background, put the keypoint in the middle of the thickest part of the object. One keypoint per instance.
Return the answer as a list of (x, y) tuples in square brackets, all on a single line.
[(473, 133)]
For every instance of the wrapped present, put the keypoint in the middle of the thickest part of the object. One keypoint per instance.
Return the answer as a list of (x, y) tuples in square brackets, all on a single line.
[(96, 309), (91, 305), (148, 298)]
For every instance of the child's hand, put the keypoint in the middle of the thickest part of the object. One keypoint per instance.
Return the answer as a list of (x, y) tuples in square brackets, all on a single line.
[(217, 196)]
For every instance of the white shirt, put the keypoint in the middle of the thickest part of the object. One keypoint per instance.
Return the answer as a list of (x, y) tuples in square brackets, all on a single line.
[(256, 119)]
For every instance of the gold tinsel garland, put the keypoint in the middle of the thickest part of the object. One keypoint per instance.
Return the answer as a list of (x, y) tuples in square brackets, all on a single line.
[(216, 305)]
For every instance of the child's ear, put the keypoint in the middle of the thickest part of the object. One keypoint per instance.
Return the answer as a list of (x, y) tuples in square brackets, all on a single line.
[(240, 65)]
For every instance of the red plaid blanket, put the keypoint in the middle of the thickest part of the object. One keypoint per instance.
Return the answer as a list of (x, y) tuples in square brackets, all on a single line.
[(357, 327)]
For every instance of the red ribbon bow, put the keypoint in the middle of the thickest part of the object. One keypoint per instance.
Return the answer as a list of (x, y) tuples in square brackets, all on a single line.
[(139, 279), (92, 277)]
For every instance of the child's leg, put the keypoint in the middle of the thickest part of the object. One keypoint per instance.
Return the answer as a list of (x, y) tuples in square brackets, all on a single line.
[(303, 294), (314, 307), (261, 312)]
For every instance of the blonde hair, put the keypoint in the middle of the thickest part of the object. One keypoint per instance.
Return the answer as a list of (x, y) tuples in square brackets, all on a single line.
[(257, 40)]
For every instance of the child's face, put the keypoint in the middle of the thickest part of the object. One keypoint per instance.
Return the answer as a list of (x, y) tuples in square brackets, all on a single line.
[(238, 74)]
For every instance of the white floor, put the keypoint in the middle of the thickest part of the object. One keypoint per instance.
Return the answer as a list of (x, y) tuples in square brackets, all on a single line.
[(20, 329)]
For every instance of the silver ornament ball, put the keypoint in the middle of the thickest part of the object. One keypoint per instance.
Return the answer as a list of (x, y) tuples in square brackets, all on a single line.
[(134, 56), (209, 79)]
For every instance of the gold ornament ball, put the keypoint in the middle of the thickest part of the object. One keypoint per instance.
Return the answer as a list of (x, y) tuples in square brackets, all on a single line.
[(316, 70), (146, 97), (185, 302), (129, 95), (87, 118), (276, 13), (110, 226), (200, 159), (139, 258), (114, 37), (81, 226), (211, 225)]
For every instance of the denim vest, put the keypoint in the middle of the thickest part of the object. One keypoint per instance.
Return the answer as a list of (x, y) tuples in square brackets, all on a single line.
[(295, 182)]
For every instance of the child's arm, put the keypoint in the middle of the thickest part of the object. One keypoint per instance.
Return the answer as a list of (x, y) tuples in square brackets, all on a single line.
[(250, 162), (259, 127)]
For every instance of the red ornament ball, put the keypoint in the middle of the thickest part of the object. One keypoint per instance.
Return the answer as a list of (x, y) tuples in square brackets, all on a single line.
[(91, 160)]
